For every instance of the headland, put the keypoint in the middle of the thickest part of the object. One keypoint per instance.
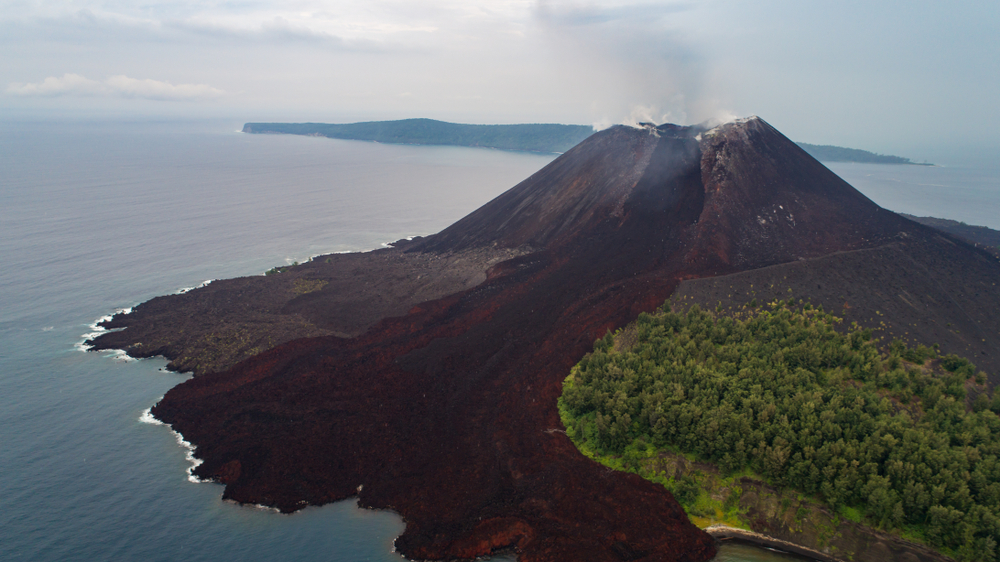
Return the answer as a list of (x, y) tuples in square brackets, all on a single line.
[(535, 137), (440, 403)]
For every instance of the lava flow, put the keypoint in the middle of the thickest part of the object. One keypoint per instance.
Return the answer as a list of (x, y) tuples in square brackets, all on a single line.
[(447, 413)]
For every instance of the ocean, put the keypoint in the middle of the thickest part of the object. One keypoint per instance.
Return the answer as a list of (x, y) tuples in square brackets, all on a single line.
[(96, 217), (965, 193)]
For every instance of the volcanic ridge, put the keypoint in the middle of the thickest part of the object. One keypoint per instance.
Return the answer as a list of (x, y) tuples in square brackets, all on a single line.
[(423, 378)]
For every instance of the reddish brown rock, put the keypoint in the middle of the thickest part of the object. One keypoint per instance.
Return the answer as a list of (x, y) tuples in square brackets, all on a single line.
[(447, 414)]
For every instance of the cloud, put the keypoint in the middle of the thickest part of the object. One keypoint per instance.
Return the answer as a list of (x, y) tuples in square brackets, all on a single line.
[(115, 86), (574, 14), (157, 90), (278, 30), (69, 84), (179, 27)]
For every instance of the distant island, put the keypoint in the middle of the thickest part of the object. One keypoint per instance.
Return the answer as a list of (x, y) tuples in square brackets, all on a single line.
[(534, 137), (541, 137), (827, 153)]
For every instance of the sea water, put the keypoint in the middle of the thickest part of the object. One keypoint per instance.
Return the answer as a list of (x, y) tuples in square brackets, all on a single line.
[(965, 193), (96, 217)]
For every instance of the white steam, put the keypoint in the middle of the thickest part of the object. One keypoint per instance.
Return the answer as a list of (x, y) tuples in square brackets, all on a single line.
[(641, 114), (721, 117), (636, 62)]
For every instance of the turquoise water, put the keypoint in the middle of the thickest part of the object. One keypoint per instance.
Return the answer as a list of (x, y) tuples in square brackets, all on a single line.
[(95, 217)]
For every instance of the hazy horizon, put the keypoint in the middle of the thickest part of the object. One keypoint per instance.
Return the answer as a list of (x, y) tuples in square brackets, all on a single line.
[(913, 82)]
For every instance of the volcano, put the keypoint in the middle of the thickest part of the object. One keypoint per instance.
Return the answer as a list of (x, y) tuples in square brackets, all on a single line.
[(429, 383)]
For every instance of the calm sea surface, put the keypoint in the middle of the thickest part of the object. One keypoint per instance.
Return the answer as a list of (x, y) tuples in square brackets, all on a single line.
[(95, 217), (967, 194)]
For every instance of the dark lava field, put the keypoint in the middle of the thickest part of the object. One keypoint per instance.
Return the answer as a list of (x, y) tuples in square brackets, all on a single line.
[(423, 378)]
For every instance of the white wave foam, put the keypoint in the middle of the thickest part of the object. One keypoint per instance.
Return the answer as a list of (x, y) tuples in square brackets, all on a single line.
[(96, 329), (313, 257), (390, 243), (147, 417), (183, 290), (96, 325), (120, 356), (264, 508), (48, 328), (257, 506), (189, 456)]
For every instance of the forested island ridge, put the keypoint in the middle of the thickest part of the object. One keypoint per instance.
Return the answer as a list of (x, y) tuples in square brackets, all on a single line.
[(531, 137), (539, 137), (829, 153)]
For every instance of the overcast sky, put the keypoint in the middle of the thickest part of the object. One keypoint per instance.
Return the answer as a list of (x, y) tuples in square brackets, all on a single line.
[(893, 77)]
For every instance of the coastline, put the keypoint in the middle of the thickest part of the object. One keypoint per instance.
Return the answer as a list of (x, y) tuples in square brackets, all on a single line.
[(722, 533), (147, 417), (780, 519), (96, 328)]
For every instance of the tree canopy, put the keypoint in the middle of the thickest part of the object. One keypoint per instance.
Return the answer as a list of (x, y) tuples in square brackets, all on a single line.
[(788, 393), (537, 137)]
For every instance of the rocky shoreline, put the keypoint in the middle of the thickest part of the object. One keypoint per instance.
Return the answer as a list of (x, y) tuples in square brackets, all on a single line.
[(904, 552), (723, 533), (341, 295), (784, 520)]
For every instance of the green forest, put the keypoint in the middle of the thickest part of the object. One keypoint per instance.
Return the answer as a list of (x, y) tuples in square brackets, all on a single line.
[(789, 394), (828, 153), (540, 137), (530, 137)]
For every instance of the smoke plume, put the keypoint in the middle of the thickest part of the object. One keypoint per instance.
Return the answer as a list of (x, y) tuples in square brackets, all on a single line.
[(634, 63)]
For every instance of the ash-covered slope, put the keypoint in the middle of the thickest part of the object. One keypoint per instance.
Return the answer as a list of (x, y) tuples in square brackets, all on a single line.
[(767, 201), (753, 198), (585, 190), (447, 414)]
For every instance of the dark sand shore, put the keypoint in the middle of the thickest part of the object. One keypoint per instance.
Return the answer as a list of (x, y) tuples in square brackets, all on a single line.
[(723, 533)]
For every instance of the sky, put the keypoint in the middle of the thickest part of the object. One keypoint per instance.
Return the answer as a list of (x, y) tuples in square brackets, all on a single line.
[(915, 78)]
